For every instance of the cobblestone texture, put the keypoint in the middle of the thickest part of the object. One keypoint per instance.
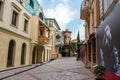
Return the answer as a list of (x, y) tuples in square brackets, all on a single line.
[(61, 69)]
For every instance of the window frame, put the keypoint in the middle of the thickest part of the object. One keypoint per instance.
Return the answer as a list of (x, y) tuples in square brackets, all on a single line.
[(11, 56), (17, 10), (41, 31), (50, 23), (41, 15), (1, 10), (23, 54), (26, 25), (15, 18)]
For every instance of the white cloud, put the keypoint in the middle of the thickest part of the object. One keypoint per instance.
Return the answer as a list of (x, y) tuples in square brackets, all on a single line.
[(40, 1), (81, 32), (62, 13)]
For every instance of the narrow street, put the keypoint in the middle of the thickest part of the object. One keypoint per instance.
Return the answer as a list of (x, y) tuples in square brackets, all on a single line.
[(60, 69)]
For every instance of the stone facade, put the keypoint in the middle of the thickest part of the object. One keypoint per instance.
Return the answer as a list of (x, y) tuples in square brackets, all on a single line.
[(55, 36), (24, 34), (13, 35)]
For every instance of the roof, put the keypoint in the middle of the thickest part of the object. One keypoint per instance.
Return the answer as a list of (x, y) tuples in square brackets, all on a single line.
[(55, 21), (67, 31), (74, 40)]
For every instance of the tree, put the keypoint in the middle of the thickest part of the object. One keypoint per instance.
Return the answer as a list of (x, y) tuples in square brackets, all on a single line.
[(78, 38), (78, 46)]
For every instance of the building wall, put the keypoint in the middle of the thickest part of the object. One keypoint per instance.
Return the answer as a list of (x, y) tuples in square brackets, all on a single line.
[(6, 36), (10, 32), (98, 11), (91, 23), (67, 37), (54, 27)]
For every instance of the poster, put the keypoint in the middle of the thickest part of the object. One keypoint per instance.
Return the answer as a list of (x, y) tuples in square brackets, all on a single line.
[(108, 42)]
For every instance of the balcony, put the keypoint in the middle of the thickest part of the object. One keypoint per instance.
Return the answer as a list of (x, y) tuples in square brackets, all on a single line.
[(43, 34), (85, 9), (43, 40), (58, 43)]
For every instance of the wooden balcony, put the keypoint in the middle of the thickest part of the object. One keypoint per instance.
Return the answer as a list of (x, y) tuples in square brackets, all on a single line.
[(43, 40), (43, 33), (85, 10)]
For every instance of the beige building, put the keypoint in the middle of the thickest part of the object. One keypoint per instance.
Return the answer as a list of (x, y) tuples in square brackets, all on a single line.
[(40, 39), (54, 37), (14, 34), (24, 34), (94, 13), (90, 13)]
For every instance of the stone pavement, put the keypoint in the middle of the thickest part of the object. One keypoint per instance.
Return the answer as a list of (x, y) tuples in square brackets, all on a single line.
[(60, 69)]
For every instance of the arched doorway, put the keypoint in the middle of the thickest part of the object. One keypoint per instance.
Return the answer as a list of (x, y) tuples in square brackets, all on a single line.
[(23, 54), (47, 55), (37, 56), (11, 53), (44, 56), (34, 55)]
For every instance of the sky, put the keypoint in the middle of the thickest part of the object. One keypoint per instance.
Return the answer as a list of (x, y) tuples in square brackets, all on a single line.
[(66, 13)]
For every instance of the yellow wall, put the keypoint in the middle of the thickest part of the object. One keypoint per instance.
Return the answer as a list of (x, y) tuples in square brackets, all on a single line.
[(5, 38)]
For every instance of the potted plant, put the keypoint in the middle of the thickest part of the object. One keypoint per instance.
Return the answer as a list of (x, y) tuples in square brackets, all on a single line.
[(99, 72)]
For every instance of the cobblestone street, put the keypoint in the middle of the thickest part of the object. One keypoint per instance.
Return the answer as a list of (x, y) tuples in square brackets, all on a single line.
[(60, 69)]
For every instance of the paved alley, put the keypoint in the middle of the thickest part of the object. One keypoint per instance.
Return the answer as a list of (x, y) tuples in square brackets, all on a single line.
[(60, 69)]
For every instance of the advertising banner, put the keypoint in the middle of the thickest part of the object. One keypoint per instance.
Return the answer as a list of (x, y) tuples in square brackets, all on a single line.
[(108, 42)]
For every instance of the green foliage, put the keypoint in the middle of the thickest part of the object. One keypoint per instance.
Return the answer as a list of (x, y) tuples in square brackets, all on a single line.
[(78, 37), (99, 71), (60, 49), (73, 46)]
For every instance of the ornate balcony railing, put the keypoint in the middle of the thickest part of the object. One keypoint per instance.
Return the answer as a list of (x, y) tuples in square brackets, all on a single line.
[(43, 40)]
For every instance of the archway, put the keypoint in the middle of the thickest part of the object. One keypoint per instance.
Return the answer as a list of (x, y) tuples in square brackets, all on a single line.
[(23, 53), (11, 53), (34, 55)]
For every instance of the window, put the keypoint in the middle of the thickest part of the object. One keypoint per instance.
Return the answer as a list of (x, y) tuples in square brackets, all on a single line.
[(26, 25), (41, 16), (14, 18), (103, 11), (23, 54), (41, 30), (31, 3), (51, 23), (11, 53), (1, 9)]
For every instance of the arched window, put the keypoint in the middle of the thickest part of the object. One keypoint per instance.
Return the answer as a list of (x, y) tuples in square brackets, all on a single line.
[(23, 54), (11, 53), (41, 16), (31, 3)]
